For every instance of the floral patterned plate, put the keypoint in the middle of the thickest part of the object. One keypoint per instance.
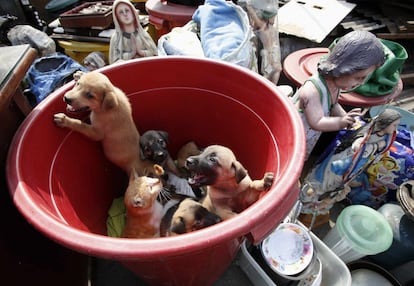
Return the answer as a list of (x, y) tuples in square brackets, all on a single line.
[(288, 249)]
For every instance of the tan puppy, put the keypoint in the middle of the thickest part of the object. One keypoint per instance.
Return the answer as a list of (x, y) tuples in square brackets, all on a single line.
[(111, 119), (229, 187), (186, 216)]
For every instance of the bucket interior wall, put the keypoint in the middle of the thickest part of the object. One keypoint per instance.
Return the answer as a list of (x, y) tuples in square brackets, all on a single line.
[(63, 185)]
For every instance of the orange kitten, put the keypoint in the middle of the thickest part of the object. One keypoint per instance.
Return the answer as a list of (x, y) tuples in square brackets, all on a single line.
[(143, 211)]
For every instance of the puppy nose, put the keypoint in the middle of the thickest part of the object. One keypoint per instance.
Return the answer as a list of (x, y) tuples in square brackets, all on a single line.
[(160, 155), (191, 161), (67, 99)]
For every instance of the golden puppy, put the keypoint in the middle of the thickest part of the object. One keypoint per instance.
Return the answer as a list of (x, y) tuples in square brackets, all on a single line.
[(186, 216), (111, 119), (229, 187)]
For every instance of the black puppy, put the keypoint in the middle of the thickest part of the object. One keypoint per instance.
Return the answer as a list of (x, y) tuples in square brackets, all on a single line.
[(153, 146)]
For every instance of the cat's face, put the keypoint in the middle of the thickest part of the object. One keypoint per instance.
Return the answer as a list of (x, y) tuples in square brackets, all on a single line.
[(142, 192)]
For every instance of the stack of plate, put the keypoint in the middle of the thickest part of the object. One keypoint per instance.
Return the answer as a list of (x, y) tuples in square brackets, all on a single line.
[(289, 251)]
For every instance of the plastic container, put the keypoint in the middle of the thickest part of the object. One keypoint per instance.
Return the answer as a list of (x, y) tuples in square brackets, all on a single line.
[(164, 15), (63, 185), (359, 231), (402, 247), (334, 271), (79, 50), (59, 5), (365, 273), (55, 7)]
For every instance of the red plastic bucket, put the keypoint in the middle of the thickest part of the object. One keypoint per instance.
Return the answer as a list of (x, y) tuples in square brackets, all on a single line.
[(63, 185), (165, 16)]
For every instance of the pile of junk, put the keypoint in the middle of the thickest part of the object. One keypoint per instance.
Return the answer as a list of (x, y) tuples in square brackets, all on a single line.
[(235, 33), (365, 238)]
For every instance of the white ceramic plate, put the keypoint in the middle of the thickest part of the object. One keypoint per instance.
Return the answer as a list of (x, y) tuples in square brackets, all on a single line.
[(288, 249)]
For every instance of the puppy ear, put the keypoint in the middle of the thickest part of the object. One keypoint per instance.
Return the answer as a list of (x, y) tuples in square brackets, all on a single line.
[(164, 135), (205, 218), (142, 148), (77, 75), (239, 171), (178, 225), (142, 154), (109, 100)]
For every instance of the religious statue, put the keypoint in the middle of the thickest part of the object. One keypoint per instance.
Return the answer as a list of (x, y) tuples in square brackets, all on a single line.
[(130, 40), (331, 179)]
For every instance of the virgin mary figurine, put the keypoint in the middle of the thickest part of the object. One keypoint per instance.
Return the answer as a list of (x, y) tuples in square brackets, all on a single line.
[(130, 40), (329, 181)]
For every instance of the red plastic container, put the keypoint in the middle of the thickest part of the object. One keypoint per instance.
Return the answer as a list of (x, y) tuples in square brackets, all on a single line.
[(63, 185), (164, 16)]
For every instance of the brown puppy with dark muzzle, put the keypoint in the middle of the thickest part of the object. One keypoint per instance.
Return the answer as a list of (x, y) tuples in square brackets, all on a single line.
[(111, 119), (187, 216), (230, 189)]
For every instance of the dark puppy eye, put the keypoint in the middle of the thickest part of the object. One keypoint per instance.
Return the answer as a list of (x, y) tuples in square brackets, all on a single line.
[(162, 143), (197, 224), (212, 158), (89, 95)]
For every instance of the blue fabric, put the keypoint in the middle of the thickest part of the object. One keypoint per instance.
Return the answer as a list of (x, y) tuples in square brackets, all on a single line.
[(221, 30), (50, 72)]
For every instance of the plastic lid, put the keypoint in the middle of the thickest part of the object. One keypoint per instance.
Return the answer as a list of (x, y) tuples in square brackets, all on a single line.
[(366, 230)]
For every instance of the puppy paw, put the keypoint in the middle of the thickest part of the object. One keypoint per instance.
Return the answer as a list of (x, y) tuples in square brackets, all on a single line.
[(268, 179), (60, 119)]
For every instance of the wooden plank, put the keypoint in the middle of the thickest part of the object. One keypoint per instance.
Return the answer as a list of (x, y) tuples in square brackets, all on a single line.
[(395, 36)]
